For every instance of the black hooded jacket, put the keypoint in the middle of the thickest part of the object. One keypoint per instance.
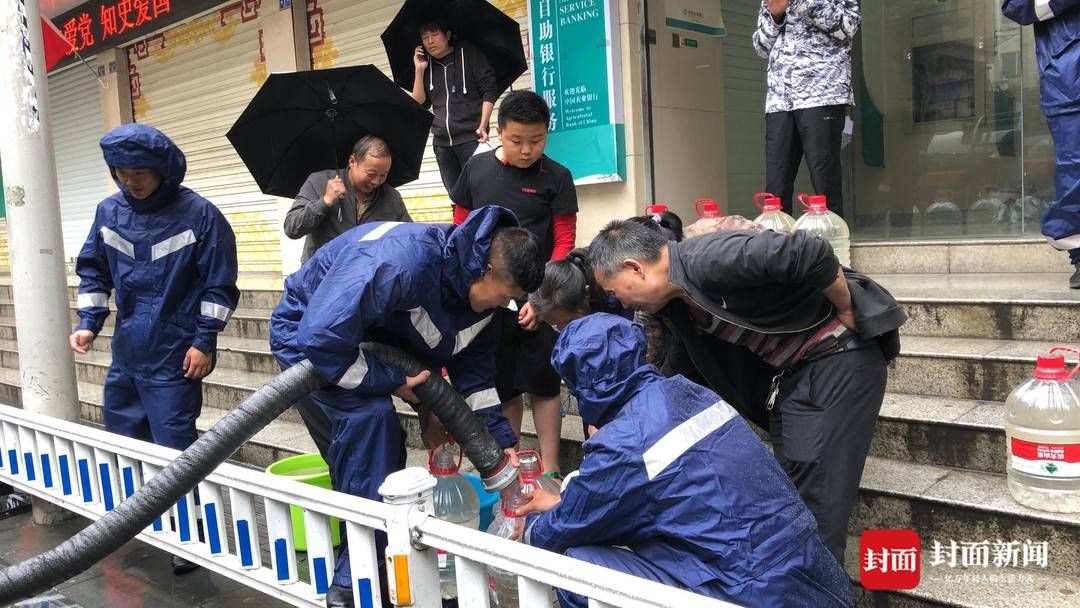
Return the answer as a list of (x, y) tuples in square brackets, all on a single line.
[(457, 87)]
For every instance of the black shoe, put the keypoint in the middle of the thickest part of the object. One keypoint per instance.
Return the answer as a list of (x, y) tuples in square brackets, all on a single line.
[(339, 597), (1074, 280), (182, 566)]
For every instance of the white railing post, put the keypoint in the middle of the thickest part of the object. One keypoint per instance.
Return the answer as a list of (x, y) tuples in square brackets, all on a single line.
[(411, 569)]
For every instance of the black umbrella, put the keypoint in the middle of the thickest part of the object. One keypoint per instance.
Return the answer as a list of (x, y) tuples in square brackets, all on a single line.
[(477, 22), (302, 122)]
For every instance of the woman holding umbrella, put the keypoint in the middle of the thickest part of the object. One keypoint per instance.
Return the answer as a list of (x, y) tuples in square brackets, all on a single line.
[(457, 82)]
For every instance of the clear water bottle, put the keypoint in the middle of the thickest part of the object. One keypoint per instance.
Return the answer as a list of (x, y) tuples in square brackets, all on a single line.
[(502, 585), (709, 218), (1042, 433), (772, 213), (985, 214), (531, 473), (818, 220), (456, 502)]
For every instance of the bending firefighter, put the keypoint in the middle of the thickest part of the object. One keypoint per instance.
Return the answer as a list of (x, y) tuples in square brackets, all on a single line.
[(427, 289)]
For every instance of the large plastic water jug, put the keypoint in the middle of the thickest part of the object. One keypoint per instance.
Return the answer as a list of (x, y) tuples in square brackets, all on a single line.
[(1042, 433), (655, 209), (985, 215), (772, 213), (456, 502), (709, 218), (818, 220)]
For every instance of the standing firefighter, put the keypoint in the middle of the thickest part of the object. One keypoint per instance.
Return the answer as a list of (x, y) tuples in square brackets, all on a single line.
[(1057, 47), (170, 255)]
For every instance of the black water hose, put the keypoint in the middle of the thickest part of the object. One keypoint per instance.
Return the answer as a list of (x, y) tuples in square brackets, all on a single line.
[(194, 464), (161, 492), (456, 415)]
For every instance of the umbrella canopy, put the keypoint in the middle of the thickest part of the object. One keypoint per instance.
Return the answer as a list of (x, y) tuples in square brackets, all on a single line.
[(302, 122), (478, 22)]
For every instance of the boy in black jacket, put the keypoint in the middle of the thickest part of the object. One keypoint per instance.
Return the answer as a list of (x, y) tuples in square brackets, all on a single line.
[(456, 81)]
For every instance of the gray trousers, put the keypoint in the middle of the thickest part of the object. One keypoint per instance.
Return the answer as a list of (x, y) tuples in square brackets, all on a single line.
[(821, 427)]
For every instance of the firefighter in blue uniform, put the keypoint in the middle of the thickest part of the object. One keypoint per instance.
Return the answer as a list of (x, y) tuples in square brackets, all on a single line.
[(170, 256), (1057, 49), (675, 486), (428, 289)]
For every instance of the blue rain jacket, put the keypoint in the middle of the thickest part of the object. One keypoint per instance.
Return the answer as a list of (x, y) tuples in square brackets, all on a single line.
[(1057, 49), (678, 477), (171, 258), (404, 285)]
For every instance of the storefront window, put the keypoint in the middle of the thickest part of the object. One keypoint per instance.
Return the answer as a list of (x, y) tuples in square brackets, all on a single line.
[(949, 140)]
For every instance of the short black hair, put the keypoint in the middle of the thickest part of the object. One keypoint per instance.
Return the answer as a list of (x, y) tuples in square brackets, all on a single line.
[(624, 240), (516, 258), (525, 107), (435, 23), (669, 224)]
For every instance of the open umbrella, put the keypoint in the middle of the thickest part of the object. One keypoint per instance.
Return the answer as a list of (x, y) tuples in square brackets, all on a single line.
[(478, 22), (302, 122)]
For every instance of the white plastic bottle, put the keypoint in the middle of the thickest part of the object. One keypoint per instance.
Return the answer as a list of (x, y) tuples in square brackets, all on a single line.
[(772, 213), (531, 473), (818, 220), (1042, 433), (456, 502), (502, 585)]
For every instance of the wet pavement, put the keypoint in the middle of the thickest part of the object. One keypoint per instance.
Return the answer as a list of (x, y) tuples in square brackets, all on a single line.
[(135, 576)]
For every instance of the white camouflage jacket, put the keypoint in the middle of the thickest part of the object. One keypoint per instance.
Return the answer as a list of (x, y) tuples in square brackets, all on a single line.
[(809, 54)]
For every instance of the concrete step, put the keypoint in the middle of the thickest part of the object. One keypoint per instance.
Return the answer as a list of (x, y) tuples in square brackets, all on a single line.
[(255, 291), (964, 368), (971, 587), (940, 431), (1024, 255), (1008, 306), (944, 504), (958, 368), (931, 430), (1004, 306)]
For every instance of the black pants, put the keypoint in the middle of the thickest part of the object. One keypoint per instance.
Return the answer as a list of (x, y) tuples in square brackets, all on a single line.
[(452, 159), (821, 427), (814, 133)]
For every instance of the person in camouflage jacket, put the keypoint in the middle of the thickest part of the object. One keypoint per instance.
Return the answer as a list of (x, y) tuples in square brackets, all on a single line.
[(808, 46)]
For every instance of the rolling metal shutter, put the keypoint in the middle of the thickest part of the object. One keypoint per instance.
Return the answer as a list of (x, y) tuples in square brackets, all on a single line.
[(192, 82)]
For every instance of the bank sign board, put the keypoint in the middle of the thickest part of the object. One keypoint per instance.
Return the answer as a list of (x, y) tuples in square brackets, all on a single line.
[(576, 68)]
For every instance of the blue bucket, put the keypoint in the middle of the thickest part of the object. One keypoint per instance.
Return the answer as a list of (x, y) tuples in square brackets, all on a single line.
[(487, 500)]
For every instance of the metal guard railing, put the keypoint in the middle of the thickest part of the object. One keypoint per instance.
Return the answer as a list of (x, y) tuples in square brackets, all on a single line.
[(89, 471)]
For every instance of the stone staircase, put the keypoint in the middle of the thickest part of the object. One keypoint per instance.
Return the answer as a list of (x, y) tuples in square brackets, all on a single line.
[(980, 313)]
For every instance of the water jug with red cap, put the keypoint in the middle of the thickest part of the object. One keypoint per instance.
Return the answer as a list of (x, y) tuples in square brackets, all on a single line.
[(456, 502), (772, 213), (709, 215), (817, 219), (1042, 435), (655, 209)]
